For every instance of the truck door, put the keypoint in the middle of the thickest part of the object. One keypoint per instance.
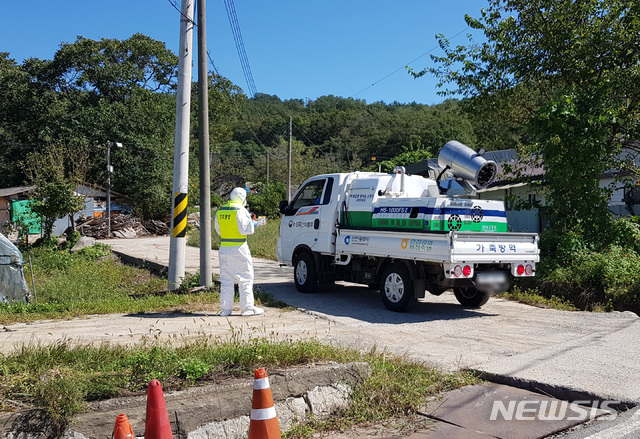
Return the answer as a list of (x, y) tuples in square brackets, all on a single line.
[(309, 216)]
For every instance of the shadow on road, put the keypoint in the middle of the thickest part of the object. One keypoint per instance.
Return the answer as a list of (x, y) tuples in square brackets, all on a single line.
[(364, 304)]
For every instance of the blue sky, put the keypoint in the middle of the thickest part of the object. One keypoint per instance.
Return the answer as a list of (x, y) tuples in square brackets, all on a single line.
[(296, 49)]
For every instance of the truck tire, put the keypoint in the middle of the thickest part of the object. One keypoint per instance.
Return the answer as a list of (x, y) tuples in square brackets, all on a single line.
[(305, 274), (396, 288), (471, 297)]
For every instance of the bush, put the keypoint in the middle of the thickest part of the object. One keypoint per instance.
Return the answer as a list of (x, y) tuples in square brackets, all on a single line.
[(72, 237), (267, 198), (625, 233), (216, 200), (592, 275)]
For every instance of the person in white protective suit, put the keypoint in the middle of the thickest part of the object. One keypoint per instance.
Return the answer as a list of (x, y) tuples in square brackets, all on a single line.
[(233, 223)]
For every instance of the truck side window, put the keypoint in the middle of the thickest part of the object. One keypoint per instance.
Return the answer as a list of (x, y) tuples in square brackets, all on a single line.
[(309, 195)]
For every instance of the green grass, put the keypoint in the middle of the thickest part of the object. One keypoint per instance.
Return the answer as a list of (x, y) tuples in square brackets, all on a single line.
[(94, 281), (531, 297), (396, 389), (262, 243), (63, 379)]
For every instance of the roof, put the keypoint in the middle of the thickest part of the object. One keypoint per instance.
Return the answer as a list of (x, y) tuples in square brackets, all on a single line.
[(16, 190)]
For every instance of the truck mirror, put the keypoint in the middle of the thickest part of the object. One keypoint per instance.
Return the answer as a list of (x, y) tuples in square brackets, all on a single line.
[(284, 207)]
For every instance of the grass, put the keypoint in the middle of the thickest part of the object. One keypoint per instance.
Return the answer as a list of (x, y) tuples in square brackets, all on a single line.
[(93, 281), (530, 297), (62, 379), (393, 393)]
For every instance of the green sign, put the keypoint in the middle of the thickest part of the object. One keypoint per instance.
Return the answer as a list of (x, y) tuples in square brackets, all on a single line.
[(21, 213)]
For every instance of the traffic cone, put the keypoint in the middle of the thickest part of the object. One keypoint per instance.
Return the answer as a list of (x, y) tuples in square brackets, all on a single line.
[(157, 425), (122, 429), (264, 423)]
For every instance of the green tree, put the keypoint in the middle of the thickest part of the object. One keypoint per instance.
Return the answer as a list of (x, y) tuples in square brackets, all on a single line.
[(568, 73), (267, 199), (56, 174)]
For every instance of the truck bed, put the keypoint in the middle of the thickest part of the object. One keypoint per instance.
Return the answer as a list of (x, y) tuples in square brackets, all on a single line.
[(450, 247)]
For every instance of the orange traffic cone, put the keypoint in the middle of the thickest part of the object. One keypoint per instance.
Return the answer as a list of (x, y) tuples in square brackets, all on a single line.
[(157, 425), (122, 429), (264, 423)]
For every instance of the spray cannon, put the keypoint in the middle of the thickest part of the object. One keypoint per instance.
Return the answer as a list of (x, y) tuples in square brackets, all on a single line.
[(467, 166)]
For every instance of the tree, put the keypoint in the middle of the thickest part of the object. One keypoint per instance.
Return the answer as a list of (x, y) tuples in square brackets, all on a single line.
[(567, 72), (56, 174)]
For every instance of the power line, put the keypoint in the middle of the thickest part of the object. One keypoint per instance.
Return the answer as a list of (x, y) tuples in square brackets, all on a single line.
[(242, 54), (405, 66)]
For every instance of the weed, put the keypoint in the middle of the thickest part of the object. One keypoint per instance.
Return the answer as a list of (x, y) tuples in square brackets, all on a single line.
[(63, 378), (532, 297)]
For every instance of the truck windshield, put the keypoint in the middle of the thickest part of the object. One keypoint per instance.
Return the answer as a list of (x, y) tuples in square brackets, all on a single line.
[(309, 195)]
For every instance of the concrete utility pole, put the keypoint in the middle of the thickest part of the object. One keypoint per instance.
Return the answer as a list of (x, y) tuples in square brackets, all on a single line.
[(205, 170), (289, 179), (178, 242)]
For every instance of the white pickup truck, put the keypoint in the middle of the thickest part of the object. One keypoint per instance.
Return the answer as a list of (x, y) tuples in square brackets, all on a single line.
[(400, 233)]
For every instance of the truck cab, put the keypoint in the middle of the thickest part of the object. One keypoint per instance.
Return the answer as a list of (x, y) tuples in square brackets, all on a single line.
[(310, 215)]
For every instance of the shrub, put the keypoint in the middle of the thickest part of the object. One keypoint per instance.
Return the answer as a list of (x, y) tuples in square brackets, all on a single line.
[(592, 275), (216, 200), (267, 199), (624, 233), (72, 237)]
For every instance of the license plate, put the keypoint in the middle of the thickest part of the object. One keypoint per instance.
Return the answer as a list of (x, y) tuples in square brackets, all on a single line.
[(491, 278)]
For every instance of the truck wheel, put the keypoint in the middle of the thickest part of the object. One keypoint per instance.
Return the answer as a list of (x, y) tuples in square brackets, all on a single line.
[(396, 288), (471, 297), (304, 273)]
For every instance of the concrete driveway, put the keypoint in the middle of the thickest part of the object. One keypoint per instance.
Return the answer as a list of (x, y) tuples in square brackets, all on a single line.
[(565, 354)]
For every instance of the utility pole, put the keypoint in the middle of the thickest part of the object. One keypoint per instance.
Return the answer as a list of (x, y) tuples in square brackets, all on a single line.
[(109, 172), (289, 179), (205, 170), (267, 167), (178, 242)]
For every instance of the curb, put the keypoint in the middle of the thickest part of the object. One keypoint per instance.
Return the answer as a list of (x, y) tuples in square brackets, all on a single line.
[(558, 392), (155, 267), (216, 411)]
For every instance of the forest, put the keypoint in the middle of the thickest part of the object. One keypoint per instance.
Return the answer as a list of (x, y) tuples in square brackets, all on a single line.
[(66, 109)]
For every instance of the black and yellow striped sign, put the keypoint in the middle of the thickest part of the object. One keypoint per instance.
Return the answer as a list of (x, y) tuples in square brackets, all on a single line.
[(180, 215)]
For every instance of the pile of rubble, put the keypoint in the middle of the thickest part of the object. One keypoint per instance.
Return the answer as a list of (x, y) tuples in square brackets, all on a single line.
[(122, 226)]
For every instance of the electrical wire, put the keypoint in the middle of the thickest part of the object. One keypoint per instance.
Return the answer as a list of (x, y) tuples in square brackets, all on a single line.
[(195, 25), (242, 54), (405, 66)]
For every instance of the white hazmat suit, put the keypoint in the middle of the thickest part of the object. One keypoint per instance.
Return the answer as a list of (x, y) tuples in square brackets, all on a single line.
[(234, 255)]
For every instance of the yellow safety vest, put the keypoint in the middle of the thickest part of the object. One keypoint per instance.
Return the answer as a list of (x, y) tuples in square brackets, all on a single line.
[(230, 236)]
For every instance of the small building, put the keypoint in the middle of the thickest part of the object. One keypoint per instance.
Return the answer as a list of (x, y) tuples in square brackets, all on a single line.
[(14, 203), (14, 207)]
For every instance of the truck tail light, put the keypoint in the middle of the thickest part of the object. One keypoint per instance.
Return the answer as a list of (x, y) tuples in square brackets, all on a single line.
[(520, 270), (459, 270), (528, 270)]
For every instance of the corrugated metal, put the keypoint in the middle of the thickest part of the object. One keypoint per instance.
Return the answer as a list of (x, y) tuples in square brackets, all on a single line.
[(16, 190)]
